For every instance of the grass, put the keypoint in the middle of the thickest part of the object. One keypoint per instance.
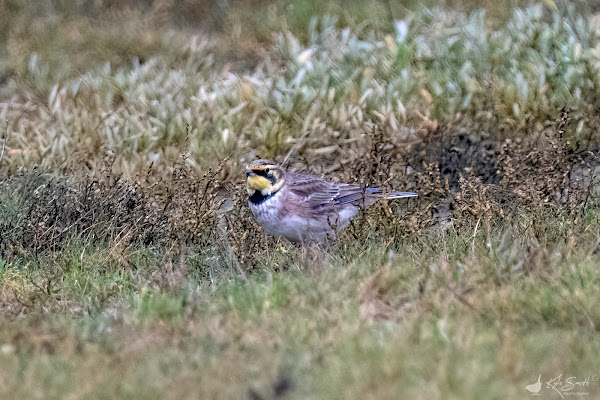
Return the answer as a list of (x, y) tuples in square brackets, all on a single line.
[(130, 266), (317, 96), (437, 317)]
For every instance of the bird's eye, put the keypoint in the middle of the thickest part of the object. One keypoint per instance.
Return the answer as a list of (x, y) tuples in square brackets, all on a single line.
[(266, 170)]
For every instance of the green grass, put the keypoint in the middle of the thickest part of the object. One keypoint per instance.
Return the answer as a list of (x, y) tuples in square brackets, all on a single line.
[(438, 317), (130, 266)]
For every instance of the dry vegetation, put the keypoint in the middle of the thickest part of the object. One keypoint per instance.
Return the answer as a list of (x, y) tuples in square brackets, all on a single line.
[(130, 265)]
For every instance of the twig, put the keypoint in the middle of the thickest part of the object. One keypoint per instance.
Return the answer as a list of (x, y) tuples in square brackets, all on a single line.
[(464, 301), (2, 152), (474, 236), (4, 140), (222, 226)]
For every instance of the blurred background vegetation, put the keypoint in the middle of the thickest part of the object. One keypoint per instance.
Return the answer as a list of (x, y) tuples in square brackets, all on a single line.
[(131, 266), (92, 32), (147, 81)]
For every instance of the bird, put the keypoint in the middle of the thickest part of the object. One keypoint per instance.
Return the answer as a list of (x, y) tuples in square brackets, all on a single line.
[(535, 388), (302, 208)]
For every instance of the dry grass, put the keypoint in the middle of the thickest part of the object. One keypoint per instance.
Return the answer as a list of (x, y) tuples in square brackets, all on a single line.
[(130, 265)]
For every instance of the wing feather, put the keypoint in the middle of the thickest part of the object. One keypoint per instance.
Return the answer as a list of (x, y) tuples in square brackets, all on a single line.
[(317, 192)]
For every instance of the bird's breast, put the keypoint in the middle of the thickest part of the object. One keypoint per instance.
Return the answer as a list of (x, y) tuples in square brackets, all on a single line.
[(266, 209)]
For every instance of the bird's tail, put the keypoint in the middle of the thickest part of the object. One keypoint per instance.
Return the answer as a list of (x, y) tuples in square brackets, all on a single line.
[(399, 195), (376, 192)]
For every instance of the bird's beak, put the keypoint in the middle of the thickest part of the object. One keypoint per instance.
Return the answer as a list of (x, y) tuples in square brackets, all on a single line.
[(249, 172)]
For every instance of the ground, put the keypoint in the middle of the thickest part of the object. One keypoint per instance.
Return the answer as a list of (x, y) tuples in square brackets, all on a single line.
[(131, 267)]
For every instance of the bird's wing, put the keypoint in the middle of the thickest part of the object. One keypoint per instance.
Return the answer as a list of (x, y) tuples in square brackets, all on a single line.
[(316, 192)]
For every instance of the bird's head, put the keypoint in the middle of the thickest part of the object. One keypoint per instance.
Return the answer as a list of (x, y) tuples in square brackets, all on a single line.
[(264, 176)]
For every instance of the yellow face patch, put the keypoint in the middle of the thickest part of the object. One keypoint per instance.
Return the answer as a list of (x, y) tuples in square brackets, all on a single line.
[(257, 182)]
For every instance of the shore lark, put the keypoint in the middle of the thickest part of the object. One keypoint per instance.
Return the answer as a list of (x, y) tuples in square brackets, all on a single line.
[(305, 208)]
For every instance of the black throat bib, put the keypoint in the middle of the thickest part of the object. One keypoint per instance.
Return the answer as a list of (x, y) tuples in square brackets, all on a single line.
[(259, 198)]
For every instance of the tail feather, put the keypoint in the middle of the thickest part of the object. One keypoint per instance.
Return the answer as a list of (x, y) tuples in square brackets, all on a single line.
[(370, 196), (399, 195), (376, 192)]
